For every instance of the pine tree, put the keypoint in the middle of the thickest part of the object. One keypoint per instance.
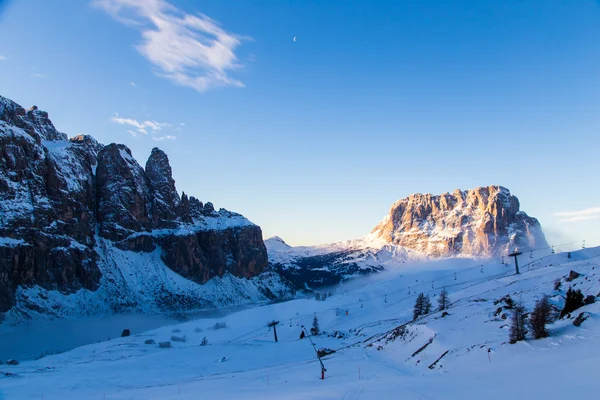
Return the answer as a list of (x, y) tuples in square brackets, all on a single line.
[(315, 326), (539, 317), (426, 305), (443, 300), (517, 328), (204, 341), (419, 303), (573, 301)]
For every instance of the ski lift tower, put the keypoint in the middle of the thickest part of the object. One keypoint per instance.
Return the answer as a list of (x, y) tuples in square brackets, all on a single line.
[(273, 324), (515, 254)]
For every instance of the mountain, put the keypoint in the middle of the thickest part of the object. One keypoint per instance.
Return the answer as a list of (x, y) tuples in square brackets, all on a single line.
[(485, 223), (85, 229)]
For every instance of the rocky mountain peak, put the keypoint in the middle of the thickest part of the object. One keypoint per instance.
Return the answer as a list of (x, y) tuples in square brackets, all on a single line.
[(481, 222), (122, 193), (34, 121), (76, 214), (166, 203)]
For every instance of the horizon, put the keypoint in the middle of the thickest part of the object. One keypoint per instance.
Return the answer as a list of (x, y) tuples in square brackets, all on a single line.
[(298, 161)]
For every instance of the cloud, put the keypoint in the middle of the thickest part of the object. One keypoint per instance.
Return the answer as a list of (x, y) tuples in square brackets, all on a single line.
[(132, 84), (582, 215), (141, 126), (188, 50), (41, 76), (161, 138), (2, 57)]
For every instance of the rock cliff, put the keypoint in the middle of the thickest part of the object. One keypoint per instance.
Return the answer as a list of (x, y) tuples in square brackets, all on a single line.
[(76, 217), (482, 222)]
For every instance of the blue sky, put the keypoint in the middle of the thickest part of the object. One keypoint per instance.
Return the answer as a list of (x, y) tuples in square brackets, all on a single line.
[(315, 139)]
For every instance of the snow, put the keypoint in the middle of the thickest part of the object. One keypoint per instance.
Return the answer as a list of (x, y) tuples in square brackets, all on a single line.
[(142, 283), (479, 364)]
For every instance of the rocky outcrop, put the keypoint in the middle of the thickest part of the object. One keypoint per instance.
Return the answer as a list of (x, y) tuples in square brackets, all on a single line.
[(482, 222), (123, 194), (165, 208), (73, 212)]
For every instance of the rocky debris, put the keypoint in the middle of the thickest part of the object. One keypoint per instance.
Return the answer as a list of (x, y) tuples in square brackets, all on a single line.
[(572, 276), (482, 222), (590, 299), (322, 352), (164, 345), (580, 318), (12, 362), (445, 314), (125, 333), (178, 338), (150, 341), (337, 335)]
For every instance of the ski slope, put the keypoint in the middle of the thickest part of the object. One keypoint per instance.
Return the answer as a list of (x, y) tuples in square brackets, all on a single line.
[(380, 352)]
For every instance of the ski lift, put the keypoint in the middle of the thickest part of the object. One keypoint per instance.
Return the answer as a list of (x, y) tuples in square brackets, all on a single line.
[(502, 260), (553, 250), (583, 246), (455, 276), (409, 290), (531, 254), (482, 269)]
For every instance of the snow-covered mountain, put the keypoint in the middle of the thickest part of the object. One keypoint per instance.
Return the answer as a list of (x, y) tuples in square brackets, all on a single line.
[(85, 229), (481, 223)]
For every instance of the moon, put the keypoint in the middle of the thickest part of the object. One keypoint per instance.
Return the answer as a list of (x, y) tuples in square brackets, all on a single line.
[(294, 38)]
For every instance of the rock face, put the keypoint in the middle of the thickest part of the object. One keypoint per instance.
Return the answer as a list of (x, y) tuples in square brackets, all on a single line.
[(482, 222), (74, 214)]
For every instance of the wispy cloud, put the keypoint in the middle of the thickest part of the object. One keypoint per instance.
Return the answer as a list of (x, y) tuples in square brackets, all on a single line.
[(582, 215), (41, 76), (132, 84), (2, 57), (187, 49), (142, 126), (161, 138)]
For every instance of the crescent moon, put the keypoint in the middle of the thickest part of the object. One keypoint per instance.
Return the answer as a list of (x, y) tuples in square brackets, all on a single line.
[(294, 38)]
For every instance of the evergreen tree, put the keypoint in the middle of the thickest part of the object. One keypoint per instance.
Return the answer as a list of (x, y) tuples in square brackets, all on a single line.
[(573, 301), (443, 300), (426, 305), (318, 296), (419, 304), (315, 326), (517, 327), (204, 341), (539, 317)]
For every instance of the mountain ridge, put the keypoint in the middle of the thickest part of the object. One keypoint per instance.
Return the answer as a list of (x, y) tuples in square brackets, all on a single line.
[(78, 220)]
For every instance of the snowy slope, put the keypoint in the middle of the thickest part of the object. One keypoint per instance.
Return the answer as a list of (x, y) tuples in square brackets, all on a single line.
[(380, 352)]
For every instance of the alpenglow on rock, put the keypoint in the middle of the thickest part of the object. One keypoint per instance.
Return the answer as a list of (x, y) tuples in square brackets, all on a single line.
[(84, 229), (481, 222)]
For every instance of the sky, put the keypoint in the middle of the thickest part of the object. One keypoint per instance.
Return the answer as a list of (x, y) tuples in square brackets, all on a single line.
[(313, 139)]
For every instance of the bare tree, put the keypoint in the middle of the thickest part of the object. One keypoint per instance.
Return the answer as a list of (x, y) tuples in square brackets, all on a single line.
[(443, 302), (539, 317), (517, 327)]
